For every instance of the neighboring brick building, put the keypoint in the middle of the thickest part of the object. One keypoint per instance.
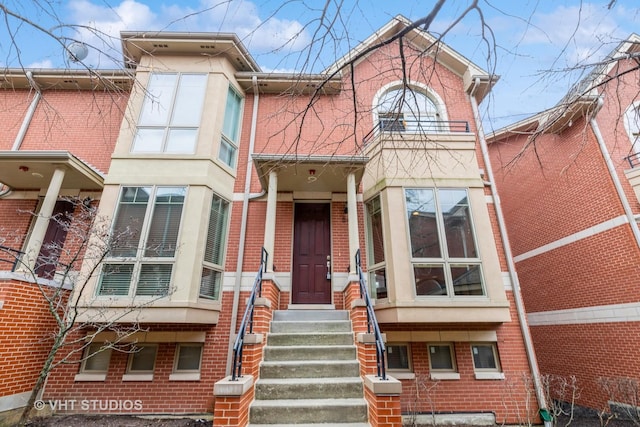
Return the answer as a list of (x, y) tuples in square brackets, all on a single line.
[(215, 159), (567, 179)]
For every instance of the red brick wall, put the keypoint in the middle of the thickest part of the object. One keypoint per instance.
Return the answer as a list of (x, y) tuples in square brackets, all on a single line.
[(506, 398), (14, 105), (590, 351), (25, 327), (82, 122), (600, 270), (160, 395), (16, 218)]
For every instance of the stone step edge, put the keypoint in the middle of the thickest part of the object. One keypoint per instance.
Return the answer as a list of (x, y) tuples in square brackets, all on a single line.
[(304, 403)]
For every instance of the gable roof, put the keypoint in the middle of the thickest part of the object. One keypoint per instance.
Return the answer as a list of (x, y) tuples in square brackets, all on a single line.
[(424, 40), (581, 100)]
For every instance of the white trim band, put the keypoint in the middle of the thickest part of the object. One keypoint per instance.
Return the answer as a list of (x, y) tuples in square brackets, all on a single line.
[(591, 231), (596, 314)]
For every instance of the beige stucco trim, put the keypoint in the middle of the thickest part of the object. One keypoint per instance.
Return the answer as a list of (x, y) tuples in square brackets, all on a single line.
[(151, 337), (172, 312), (442, 336)]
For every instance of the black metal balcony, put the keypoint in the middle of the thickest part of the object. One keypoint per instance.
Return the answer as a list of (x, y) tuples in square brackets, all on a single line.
[(634, 160), (398, 126)]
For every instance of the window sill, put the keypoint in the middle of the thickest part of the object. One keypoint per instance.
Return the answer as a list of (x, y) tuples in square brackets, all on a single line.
[(490, 375), (137, 377), (402, 375), (90, 377), (186, 376), (445, 376)]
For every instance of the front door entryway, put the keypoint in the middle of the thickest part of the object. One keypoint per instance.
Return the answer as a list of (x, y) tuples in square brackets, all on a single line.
[(311, 283)]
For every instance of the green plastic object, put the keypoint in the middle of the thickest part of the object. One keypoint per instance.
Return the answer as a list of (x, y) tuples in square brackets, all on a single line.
[(545, 415)]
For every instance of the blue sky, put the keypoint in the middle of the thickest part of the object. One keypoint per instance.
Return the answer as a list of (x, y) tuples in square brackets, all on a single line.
[(536, 41)]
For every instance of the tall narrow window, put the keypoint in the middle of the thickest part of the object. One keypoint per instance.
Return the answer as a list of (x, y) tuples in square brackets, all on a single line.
[(144, 243), (214, 252), (444, 255), (408, 110), (377, 272), (171, 113), (231, 128)]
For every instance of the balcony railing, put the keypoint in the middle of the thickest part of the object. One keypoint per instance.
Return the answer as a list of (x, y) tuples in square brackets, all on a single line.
[(10, 256), (634, 160), (402, 126)]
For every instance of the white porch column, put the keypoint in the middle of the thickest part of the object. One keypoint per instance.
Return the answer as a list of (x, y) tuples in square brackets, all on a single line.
[(42, 221), (352, 209), (270, 221)]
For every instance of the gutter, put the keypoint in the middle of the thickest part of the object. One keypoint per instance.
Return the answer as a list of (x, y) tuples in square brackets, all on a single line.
[(517, 296), (243, 227), (614, 177)]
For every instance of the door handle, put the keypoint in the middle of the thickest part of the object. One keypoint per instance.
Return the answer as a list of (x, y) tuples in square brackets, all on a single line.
[(328, 267)]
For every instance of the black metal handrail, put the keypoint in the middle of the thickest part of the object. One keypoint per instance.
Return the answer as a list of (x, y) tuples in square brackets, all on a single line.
[(634, 160), (402, 126), (247, 319), (15, 257), (372, 322)]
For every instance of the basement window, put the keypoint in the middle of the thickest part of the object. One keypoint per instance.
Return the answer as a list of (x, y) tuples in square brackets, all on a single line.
[(486, 362), (186, 366), (442, 362), (141, 363), (95, 363)]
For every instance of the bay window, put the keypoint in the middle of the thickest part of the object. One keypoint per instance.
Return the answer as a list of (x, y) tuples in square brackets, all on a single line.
[(443, 249), (144, 242), (171, 113)]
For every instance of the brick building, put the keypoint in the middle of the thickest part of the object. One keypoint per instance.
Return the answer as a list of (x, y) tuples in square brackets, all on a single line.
[(568, 179), (200, 160)]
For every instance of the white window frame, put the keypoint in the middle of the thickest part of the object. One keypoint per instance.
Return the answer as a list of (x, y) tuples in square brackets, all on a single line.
[(439, 373), (445, 260), (140, 375), (168, 127), (186, 374), (231, 144), (140, 260), (494, 373)]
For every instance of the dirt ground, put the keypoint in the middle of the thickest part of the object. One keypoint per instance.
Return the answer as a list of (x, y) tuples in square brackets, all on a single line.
[(129, 421), (115, 421)]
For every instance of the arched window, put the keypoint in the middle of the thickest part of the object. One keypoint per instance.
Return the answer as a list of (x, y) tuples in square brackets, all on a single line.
[(406, 109), (632, 125)]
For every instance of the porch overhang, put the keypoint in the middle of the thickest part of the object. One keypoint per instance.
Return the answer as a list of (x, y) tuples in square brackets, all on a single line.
[(33, 170), (309, 173)]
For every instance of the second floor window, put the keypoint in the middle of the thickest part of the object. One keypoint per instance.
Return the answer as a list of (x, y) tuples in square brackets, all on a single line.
[(171, 113), (145, 237), (375, 249), (443, 249), (212, 269)]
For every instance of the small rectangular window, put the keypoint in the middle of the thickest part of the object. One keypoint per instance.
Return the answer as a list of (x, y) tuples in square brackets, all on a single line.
[(188, 358), (96, 358), (485, 357), (441, 357), (398, 357), (143, 359), (211, 278)]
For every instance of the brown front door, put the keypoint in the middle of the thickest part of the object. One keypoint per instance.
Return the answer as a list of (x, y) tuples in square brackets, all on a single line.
[(311, 246)]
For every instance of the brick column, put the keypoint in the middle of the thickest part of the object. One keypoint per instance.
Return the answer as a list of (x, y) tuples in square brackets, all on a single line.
[(231, 407), (383, 397)]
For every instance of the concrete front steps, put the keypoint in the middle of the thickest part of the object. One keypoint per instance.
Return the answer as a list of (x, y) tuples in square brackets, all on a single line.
[(310, 375)]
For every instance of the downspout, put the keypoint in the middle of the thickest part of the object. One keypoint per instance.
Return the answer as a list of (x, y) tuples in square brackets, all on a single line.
[(25, 123), (614, 176), (517, 296), (243, 226)]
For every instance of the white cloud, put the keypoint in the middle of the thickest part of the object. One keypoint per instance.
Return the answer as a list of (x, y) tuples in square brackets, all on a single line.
[(46, 63), (576, 32), (241, 17)]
